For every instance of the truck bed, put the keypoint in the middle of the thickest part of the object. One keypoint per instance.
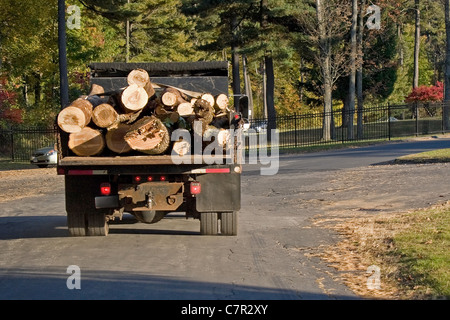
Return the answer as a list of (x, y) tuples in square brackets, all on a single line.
[(138, 160)]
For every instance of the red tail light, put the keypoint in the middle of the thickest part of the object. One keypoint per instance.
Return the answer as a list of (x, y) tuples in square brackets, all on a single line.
[(105, 189), (149, 178), (162, 178), (137, 179), (196, 187)]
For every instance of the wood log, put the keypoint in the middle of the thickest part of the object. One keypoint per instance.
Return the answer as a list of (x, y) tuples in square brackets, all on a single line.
[(209, 97), (181, 147), (96, 89), (221, 102), (104, 115), (87, 142), (134, 98), (185, 109), (115, 138), (203, 110), (171, 97), (141, 78), (148, 135), (76, 116)]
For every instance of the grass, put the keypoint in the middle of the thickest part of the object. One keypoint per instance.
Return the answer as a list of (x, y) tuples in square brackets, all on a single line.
[(424, 252), (441, 155)]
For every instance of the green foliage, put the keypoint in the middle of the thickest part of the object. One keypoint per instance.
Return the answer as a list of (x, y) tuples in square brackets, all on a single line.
[(188, 30)]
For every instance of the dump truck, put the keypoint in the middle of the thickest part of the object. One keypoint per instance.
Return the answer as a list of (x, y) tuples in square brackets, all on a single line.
[(100, 189)]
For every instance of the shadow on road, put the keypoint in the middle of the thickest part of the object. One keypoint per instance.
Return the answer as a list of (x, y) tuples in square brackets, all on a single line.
[(51, 283)]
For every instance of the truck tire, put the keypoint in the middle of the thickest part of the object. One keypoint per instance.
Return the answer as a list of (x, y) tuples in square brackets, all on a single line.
[(209, 223), (150, 216), (76, 223), (228, 223), (97, 225)]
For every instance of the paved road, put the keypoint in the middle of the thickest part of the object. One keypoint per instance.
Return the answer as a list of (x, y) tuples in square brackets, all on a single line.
[(169, 260)]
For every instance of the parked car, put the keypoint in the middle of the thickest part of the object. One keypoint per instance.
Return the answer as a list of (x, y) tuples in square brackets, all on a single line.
[(44, 157)]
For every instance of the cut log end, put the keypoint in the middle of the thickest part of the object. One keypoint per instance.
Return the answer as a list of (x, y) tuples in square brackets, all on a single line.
[(71, 119), (87, 142), (115, 139), (134, 98), (104, 115), (148, 135)]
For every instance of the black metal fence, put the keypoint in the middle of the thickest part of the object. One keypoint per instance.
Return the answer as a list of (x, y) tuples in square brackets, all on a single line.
[(384, 123), (18, 144)]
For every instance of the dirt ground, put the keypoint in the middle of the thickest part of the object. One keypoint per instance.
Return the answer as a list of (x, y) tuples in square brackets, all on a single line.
[(18, 184)]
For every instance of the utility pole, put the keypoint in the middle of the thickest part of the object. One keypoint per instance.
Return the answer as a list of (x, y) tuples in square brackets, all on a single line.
[(64, 82)]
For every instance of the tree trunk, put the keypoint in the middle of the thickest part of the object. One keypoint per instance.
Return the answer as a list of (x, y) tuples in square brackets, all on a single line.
[(87, 142), (446, 110), (148, 135), (325, 61), (359, 74), (352, 78), (76, 116), (134, 98), (115, 138), (416, 44), (104, 115)]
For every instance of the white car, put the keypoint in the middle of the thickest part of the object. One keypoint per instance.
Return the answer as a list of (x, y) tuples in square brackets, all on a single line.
[(44, 157)]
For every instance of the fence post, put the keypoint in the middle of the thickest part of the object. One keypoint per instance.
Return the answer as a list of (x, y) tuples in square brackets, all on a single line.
[(389, 121), (12, 143), (295, 129), (416, 105)]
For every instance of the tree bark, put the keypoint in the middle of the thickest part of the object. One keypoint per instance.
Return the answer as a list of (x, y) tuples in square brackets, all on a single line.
[(76, 116), (87, 142), (446, 109), (359, 73), (416, 44), (204, 111), (352, 78), (325, 58)]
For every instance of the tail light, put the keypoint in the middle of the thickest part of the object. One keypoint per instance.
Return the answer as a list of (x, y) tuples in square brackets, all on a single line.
[(137, 179), (196, 187), (149, 178), (105, 189), (163, 178)]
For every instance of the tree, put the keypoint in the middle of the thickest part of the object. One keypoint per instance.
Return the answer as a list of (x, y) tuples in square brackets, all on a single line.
[(446, 112), (352, 77)]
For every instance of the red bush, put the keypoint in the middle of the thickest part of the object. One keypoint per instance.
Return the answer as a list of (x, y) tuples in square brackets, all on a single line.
[(7, 100), (427, 94)]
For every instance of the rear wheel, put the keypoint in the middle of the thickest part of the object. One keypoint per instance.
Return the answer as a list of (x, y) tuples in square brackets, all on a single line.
[(209, 223), (76, 223), (97, 224), (228, 223)]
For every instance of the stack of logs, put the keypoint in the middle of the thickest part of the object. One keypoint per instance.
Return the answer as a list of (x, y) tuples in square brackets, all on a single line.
[(136, 118)]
